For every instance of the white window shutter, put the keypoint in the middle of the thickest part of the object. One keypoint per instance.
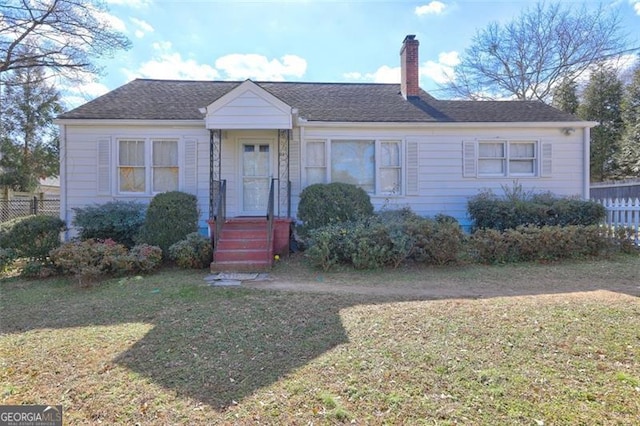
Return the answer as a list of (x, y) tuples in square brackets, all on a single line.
[(103, 178), (413, 168), (469, 161), (190, 166), (546, 167)]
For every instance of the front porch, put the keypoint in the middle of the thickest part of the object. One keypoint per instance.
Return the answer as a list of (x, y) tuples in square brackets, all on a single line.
[(250, 186), (250, 198)]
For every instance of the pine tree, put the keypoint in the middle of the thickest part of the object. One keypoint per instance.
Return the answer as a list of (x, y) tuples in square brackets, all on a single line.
[(629, 154), (28, 138), (565, 96), (602, 103)]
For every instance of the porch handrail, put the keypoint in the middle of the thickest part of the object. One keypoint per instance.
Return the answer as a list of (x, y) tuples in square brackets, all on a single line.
[(270, 213), (221, 210)]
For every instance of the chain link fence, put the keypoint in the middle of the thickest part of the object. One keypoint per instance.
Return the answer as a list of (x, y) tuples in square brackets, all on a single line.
[(20, 207)]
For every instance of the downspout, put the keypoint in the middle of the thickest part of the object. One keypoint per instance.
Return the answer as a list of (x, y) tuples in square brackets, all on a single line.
[(63, 180), (586, 170)]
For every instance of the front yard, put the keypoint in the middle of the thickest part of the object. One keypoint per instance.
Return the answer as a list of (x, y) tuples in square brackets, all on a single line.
[(522, 344)]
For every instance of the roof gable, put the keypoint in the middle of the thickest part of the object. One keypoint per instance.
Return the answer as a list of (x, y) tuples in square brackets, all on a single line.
[(248, 106)]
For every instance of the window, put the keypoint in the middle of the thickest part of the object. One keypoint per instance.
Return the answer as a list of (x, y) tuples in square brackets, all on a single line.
[(373, 165), (147, 165), (507, 158), (131, 166)]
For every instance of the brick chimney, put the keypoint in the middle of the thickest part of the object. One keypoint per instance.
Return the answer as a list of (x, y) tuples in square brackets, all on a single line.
[(409, 68)]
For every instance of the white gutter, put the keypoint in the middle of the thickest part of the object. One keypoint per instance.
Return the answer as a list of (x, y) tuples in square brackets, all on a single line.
[(508, 125), (586, 160), (113, 122), (63, 178)]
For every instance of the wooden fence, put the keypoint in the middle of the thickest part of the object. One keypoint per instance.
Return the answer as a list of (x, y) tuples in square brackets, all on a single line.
[(623, 213)]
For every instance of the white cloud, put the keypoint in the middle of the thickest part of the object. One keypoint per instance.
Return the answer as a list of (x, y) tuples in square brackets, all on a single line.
[(137, 4), (143, 27), (238, 66), (81, 92), (384, 74), (173, 66), (442, 71), (168, 64), (433, 8), (636, 6)]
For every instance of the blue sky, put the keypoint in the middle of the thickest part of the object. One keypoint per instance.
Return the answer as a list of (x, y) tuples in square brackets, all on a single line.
[(303, 40)]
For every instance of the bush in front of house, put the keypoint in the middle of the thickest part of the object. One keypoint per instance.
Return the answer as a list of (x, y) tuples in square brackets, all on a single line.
[(532, 243), (116, 220), (194, 252), (387, 239), (7, 257), (32, 237), (518, 208), (145, 258), (90, 260), (171, 216), (323, 204)]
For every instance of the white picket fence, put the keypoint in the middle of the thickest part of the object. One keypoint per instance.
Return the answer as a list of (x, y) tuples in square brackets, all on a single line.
[(623, 213)]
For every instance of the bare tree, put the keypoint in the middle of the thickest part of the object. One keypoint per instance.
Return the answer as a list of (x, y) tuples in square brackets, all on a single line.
[(65, 36), (529, 56)]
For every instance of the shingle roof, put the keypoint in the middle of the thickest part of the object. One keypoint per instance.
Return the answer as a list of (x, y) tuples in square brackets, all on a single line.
[(144, 99)]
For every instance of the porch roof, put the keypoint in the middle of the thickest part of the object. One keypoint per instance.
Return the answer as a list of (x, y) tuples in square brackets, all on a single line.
[(145, 99)]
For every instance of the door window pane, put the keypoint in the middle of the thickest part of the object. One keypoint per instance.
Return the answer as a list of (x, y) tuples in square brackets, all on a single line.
[(354, 162)]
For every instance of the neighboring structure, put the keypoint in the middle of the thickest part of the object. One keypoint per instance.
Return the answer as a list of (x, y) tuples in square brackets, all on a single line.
[(621, 190), (400, 144)]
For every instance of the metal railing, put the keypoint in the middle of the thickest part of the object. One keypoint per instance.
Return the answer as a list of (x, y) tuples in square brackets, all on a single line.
[(270, 214), (221, 210)]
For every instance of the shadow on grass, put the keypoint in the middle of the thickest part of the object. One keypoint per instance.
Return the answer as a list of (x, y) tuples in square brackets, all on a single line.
[(220, 345), (212, 344)]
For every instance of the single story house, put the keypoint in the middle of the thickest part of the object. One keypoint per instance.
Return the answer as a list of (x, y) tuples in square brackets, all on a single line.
[(247, 149)]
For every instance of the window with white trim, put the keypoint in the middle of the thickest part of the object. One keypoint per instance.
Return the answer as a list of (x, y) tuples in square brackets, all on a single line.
[(508, 158), (147, 165), (371, 164)]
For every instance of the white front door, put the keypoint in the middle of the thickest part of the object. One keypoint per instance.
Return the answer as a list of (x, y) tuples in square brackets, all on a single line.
[(256, 175)]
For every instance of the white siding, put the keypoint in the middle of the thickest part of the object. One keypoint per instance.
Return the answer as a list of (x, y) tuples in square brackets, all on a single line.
[(441, 186), (248, 107), (84, 161)]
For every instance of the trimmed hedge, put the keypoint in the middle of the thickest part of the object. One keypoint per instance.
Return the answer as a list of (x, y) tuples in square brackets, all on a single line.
[(32, 237), (171, 216), (387, 239), (532, 243), (325, 204), (117, 220), (194, 252), (90, 260), (489, 211)]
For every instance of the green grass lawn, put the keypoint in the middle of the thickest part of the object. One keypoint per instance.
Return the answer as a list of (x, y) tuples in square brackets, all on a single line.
[(549, 344)]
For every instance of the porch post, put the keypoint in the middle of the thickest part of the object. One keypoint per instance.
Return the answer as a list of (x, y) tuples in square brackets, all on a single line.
[(215, 168), (284, 197)]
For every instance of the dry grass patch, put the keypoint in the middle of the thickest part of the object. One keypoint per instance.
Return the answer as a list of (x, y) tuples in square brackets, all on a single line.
[(165, 349)]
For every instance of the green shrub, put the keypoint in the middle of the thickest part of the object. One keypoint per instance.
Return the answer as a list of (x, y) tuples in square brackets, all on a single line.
[(194, 252), (531, 243), (32, 237), (116, 220), (324, 204), (387, 239), (145, 258), (518, 208), (171, 216), (89, 260), (7, 257)]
